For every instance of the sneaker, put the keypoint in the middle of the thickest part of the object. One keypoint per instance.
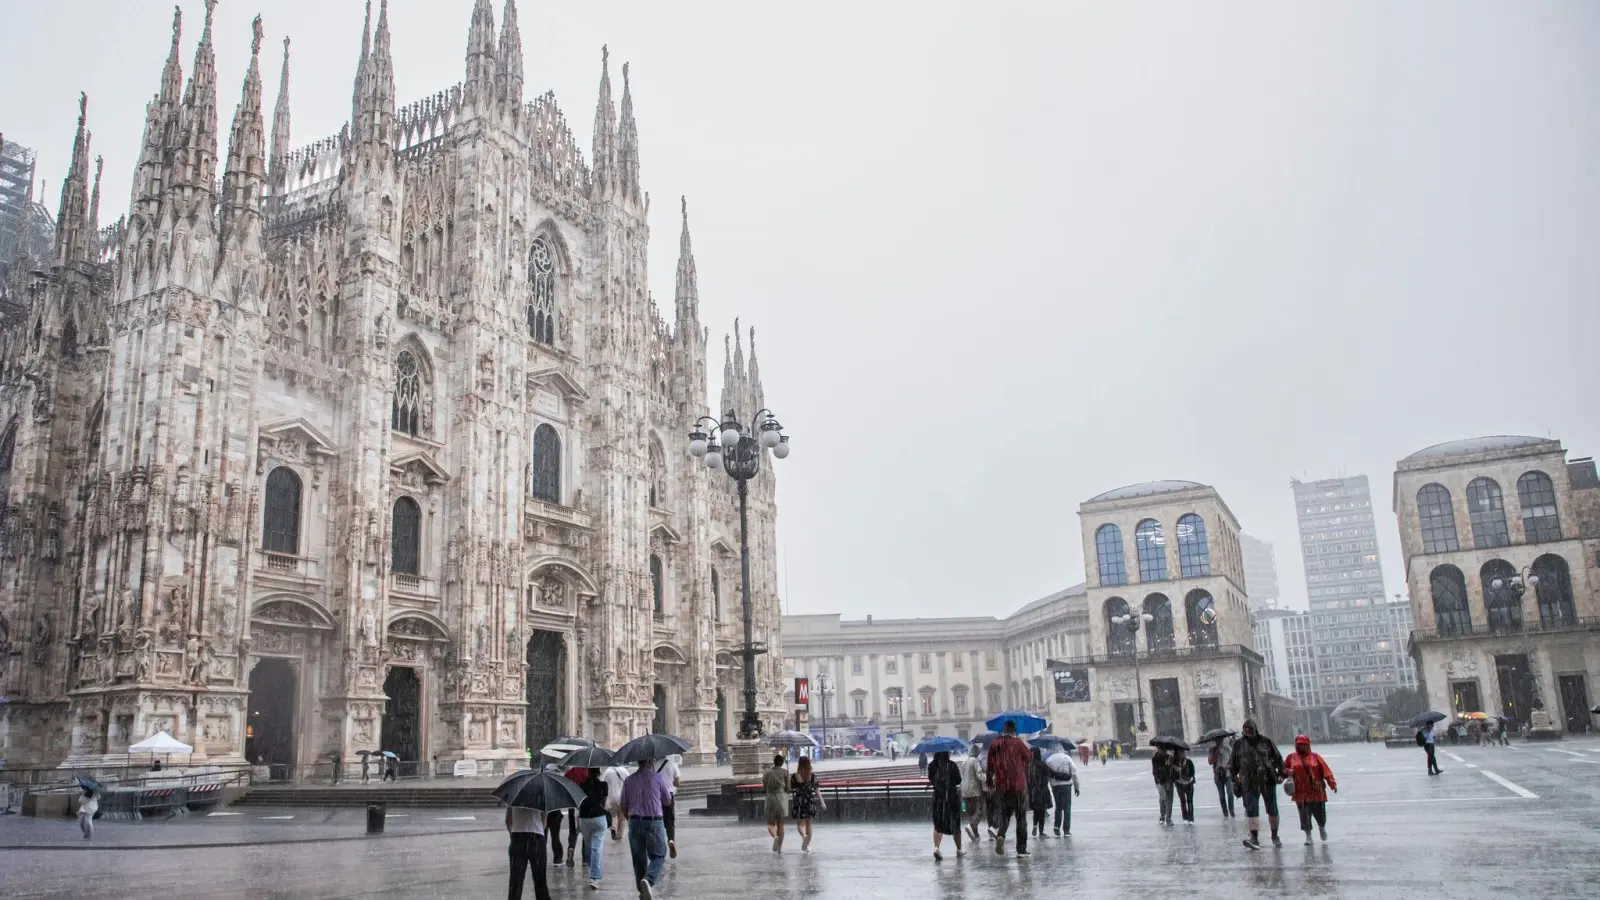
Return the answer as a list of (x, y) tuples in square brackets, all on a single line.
[(777, 844), (1058, 832), (644, 889), (1022, 853), (672, 848), (1308, 839), (1252, 844), (937, 856), (1276, 842), (972, 830), (1323, 832), (571, 861), (594, 885), (1000, 846)]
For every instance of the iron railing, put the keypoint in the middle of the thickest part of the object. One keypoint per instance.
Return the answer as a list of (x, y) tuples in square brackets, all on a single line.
[(1509, 629), (1204, 651)]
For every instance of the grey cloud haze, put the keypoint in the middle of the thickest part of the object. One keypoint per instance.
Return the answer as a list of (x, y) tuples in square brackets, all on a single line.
[(1002, 257)]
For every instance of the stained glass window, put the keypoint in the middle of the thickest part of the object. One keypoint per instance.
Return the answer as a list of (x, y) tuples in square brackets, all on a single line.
[(542, 297), (281, 519), (406, 416), (405, 541), (546, 484)]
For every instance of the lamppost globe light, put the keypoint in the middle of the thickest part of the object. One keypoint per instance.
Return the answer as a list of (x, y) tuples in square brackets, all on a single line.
[(769, 436), (698, 444), (714, 457), (781, 451), (1120, 620), (1533, 580), (1147, 617), (1497, 584), (730, 433)]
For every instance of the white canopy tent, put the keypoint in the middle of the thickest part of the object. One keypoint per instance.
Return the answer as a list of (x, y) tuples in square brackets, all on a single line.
[(161, 742)]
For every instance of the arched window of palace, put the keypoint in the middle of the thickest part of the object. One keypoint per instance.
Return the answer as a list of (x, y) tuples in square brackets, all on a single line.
[(1438, 520), (657, 584), (1119, 640), (280, 521), (1537, 495), (1109, 555), (1451, 615), (1554, 591), (405, 541), (1194, 554), (1158, 632), (1488, 511), (1500, 598)]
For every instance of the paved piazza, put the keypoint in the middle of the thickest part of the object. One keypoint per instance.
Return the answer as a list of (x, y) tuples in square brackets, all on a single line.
[(1518, 822)]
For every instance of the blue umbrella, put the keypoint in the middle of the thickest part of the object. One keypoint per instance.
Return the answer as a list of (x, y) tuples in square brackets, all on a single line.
[(940, 745), (1026, 723)]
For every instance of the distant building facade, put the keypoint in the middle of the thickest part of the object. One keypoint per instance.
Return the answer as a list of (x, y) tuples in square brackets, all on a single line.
[(872, 679), (27, 229), (1260, 572), (1501, 537)]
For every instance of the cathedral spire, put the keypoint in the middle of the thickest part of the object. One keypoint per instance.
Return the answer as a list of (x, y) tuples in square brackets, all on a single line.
[(373, 125), (278, 177), (510, 56), (605, 129), (246, 169), (361, 67), (94, 197), (480, 50), (628, 143), (753, 381), (160, 125), (738, 358), (688, 292), (172, 72), (73, 235), (197, 157)]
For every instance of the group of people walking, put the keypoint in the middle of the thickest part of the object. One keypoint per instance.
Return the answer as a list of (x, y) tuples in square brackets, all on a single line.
[(791, 797), (1000, 787)]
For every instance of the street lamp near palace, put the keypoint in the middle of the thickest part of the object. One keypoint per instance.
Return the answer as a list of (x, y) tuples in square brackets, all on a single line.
[(1133, 622), (897, 704), (1509, 590), (824, 690), (732, 447)]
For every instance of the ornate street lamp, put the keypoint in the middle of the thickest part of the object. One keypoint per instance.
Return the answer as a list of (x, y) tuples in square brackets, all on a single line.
[(732, 447), (824, 690), (1133, 622), (1512, 588)]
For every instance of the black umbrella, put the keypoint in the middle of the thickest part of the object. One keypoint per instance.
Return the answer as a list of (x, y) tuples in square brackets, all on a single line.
[(649, 747), (1170, 742), (590, 757), (1052, 742), (366, 753), (983, 740), (87, 782), (1426, 718), (544, 791), (1215, 734)]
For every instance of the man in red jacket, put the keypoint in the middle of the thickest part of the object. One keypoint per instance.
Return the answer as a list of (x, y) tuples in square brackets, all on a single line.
[(1007, 776)]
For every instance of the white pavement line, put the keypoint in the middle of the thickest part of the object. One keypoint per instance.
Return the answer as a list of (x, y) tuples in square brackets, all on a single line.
[(224, 814), (1594, 749), (457, 818), (1514, 788), (1413, 800), (1567, 752), (1470, 765), (397, 815), (1453, 756), (277, 817)]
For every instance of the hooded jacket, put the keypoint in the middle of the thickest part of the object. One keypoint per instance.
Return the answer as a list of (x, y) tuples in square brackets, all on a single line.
[(1308, 774)]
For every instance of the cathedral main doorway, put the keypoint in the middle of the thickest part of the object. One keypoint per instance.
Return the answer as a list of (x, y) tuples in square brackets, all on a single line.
[(269, 726), (546, 687), (402, 719), (658, 724)]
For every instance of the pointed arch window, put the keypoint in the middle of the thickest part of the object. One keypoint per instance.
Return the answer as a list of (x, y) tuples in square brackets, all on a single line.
[(1451, 615), (405, 541), (406, 415), (542, 291), (1151, 544), (280, 521), (1488, 512), (658, 476), (1194, 553), (657, 585), (546, 483), (716, 596), (1108, 553), (1537, 495), (1438, 520)]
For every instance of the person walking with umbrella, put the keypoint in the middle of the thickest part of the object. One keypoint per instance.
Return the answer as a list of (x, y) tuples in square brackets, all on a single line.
[(1165, 775), (527, 795), (644, 797), (88, 805), (948, 787), (1257, 767), (1007, 776), (366, 761), (1218, 756), (1423, 722), (1184, 783), (1309, 780), (1063, 786)]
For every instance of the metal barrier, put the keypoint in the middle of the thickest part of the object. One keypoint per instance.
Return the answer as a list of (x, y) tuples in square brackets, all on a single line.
[(172, 795), (10, 799)]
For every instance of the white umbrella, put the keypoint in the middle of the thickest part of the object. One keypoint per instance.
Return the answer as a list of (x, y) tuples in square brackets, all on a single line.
[(161, 742), (1059, 763)]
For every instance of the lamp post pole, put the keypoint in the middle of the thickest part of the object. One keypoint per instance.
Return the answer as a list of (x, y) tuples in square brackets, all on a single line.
[(1513, 588), (1132, 622), (732, 447), (822, 690)]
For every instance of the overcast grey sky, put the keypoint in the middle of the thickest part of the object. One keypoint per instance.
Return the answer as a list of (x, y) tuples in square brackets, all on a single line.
[(1002, 257)]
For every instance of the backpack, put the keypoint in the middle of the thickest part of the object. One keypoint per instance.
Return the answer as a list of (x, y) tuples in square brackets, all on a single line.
[(1421, 741)]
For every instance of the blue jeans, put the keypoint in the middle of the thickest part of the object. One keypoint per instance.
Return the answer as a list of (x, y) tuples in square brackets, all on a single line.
[(647, 842), (594, 835)]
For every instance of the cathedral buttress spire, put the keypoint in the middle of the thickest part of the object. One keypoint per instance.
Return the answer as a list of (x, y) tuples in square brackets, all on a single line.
[(510, 57), (277, 176), (196, 167), (372, 131), (753, 379), (160, 126), (172, 72), (361, 67), (688, 292), (74, 236), (628, 143), (94, 197), (246, 170), (605, 129), (480, 51)]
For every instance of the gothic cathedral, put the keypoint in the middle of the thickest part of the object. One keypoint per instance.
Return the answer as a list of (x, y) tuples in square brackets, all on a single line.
[(379, 443)]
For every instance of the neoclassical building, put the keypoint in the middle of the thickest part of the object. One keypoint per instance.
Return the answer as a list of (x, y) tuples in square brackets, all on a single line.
[(1169, 550), (375, 442), (1501, 537)]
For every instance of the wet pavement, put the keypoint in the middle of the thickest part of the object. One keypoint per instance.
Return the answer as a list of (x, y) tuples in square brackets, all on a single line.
[(1522, 822)]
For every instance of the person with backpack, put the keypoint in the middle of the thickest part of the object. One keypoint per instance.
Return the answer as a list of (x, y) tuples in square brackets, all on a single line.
[(1309, 779), (1218, 756), (1425, 741), (1257, 768)]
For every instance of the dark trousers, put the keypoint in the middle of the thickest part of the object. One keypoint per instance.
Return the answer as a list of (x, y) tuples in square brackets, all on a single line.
[(1433, 762), (1063, 795), (1225, 796), (552, 827), (1309, 811), (1014, 806), (1041, 815), (1186, 800), (669, 818), (527, 850)]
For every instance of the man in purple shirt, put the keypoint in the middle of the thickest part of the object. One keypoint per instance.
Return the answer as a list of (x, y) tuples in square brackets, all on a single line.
[(644, 795)]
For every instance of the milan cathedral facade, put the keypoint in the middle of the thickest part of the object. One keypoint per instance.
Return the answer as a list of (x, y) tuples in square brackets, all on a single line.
[(375, 442)]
